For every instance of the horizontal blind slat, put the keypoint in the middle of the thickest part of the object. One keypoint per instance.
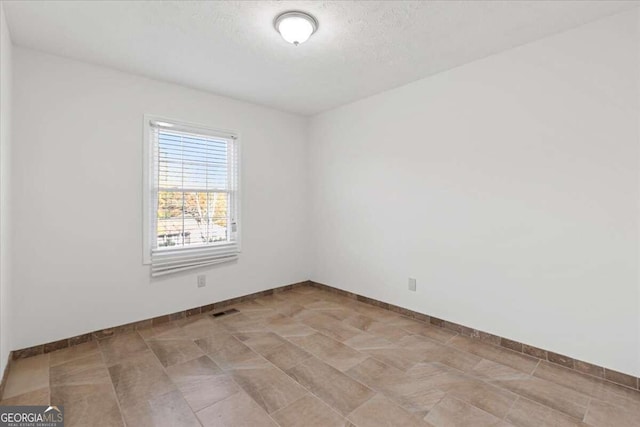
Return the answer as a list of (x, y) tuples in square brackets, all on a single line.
[(161, 272)]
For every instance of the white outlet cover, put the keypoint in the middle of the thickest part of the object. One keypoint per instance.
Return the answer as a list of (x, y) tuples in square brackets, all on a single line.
[(202, 281), (412, 284)]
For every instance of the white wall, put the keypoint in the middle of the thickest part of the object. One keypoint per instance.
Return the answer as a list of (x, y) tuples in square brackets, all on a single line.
[(78, 198), (638, 199), (5, 189), (508, 187)]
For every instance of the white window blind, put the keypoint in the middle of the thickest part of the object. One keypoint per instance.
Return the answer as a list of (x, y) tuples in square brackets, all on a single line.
[(193, 197)]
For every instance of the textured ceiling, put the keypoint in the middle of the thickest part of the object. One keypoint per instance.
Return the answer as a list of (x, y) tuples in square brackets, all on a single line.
[(230, 48)]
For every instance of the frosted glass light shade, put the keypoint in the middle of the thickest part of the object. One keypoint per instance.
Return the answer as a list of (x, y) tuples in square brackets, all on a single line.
[(296, 27)]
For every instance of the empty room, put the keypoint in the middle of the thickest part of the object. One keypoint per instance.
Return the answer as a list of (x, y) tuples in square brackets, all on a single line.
[(320, 213)]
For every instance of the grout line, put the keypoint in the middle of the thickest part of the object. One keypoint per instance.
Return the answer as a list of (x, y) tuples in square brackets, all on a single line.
[(466, 373), (193, 340), (232, 334), (312, 355), (535, 368), (375, 393), (506, 415), (472, 405), (291, 379), (164, 368), (587, 410), (113, 387), (451, 339)]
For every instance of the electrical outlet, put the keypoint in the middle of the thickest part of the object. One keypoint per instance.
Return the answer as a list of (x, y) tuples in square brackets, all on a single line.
[(412, 284), (202, 281)]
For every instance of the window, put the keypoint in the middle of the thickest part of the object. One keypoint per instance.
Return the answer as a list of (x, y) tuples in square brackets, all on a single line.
[(191, 196)]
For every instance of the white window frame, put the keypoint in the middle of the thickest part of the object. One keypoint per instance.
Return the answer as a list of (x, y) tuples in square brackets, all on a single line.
[(148, 185)]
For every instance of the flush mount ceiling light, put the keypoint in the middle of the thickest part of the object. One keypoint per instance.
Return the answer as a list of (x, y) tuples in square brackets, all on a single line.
[(295, 26)]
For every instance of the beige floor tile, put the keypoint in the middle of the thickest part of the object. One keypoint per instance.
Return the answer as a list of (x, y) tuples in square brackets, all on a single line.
[(286, 356), (339, 314), (489, 370), (229, 353), (415, 396), (376, 375), (518, 361), (549, 394), (196, 327), (306, 313), (329, 326), (323, 304), (36, 397), (262, 316), (489, 398), (309, 411), (402, 321), (270, 301), (68, 394), (303, 300), (441, 376), (365, 341), (289, 308), (307, 289), (377, 313), (171, 352), (389, 332), (403, 359), (435, 333), (287, 327), (73, 353), (194, 370), (237, 410), (362, 322), (250, 306), (164, 410), (380, 411), (526, 413), (453, 412), (27, 375), (329, 350), (201, 382), (260, 341), (87, 370), (332, 386), (419, 341), (271, 388), (602, 414), (458, 384), (206, 392), (417, 391), (88, 405), (169, 330), (436, 352), (594, 387), (120, 347), (294, 307), (568, 378), (139, 378), (240, 323)]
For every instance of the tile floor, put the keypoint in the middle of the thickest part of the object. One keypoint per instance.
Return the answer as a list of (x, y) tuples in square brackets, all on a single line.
[(307, 357)]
